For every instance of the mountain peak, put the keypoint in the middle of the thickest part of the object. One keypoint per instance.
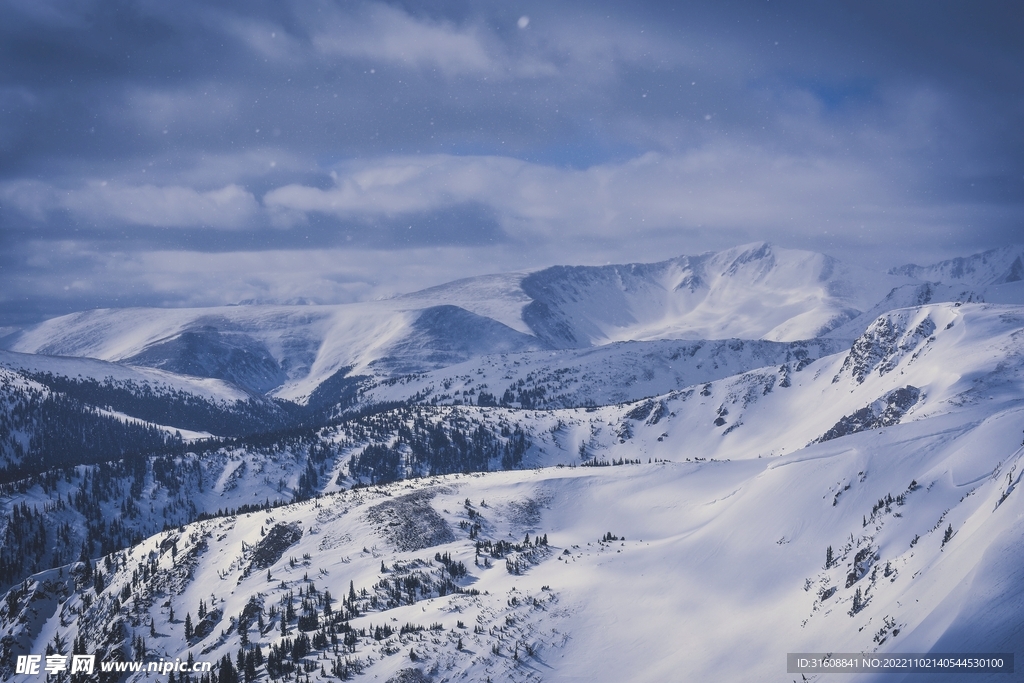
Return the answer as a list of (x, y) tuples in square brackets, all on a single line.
[(993, 267)]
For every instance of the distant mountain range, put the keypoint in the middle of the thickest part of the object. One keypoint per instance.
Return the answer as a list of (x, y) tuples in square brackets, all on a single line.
[(679, 470), (756, 291)]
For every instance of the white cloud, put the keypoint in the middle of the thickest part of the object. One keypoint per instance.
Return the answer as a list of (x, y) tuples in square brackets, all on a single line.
[(193, 278), (33, 198), (390, 35), (171, 206), (719, 186), (180, 110), (269, 40), (102, 202)]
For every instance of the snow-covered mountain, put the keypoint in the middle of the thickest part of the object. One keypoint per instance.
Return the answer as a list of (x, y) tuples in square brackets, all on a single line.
[(992, 267), (756, 291), (58, 411), (864, 501), (70, 366), (285, 348), (560, 475), (602, 375), (753, 292)]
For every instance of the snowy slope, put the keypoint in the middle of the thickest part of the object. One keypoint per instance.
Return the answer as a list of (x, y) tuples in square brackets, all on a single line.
[(752, 292), (499, 297), (61, 411), (613, 373), (949, 356), (264, 347), (992, 267), (903, 455), (943, 360), (211, 389), (755, 291), (931, 292), (707, 554), (894, 440), (897, 372)]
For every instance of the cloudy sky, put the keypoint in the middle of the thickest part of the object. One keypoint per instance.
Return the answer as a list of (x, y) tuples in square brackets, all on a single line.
[(198, 153)]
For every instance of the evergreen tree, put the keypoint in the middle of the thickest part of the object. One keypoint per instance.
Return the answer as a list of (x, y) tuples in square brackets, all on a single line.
[(858, 602)]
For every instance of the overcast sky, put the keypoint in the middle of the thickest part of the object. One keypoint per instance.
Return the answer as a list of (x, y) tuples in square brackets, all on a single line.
[(200, 153)]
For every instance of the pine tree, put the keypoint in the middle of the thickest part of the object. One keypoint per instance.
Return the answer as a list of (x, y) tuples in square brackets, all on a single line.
[(250, 666), (858, 603), (188, 626)]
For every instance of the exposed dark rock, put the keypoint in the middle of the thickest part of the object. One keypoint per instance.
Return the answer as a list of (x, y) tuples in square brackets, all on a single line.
[(410, 676), (272, 546), (410, 522), (884, 412)]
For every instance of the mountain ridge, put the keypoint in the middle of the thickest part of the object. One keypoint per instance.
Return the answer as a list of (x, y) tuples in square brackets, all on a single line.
[(753, 291), (997, 266), (841, 490)]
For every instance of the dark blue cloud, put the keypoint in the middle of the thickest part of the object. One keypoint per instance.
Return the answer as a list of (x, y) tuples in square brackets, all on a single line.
[(139, 127)]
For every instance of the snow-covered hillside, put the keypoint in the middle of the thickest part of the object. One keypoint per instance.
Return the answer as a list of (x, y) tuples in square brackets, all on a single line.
[(756, 291), (261, 348), (42, 429), (992, 267), (69, 366), (863, 501), (942, 360), (904, 296), (614, 373), (62, 411), (528, 477), (646, 556)]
